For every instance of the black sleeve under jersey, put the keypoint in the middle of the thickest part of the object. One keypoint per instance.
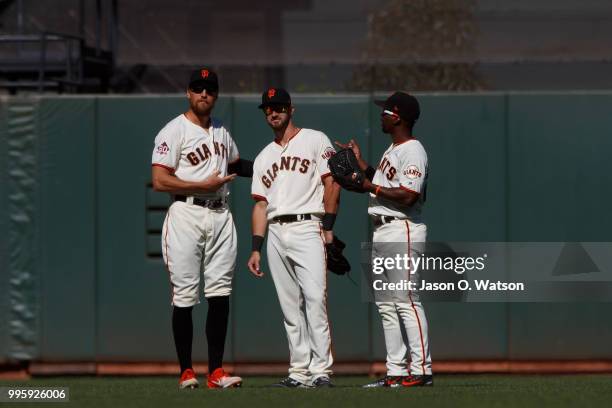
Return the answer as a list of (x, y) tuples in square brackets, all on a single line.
[(241, 167)]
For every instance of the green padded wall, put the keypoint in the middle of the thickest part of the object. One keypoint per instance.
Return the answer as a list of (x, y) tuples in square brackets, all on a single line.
[(560, 176), (67, 261), (559, 145), (21, 185), (4, 266), (83, 223)]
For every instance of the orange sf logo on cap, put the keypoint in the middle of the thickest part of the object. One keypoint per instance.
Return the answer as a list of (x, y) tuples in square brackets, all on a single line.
[(271, 93), (204, 73)]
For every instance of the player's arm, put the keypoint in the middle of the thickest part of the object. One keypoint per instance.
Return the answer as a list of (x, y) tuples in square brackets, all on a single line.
[(259, 224), (331, 201), (400, 195), (331, 190), (241, 167), (363, 165), (411, 177), (164, 180)]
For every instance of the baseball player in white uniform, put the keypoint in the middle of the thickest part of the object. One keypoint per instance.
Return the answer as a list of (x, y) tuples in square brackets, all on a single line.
[(193, 159), (297, 202), (397, 192)]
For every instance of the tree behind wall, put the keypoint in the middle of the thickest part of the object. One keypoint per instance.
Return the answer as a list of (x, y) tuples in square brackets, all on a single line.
[(420, 45)]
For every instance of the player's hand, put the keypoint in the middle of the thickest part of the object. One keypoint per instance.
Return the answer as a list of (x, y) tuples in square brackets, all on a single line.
[(214, 182), (253, 264), (368, 186), (352, 144)]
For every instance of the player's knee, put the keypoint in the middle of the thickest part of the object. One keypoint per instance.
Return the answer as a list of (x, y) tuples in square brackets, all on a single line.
[(315, 300), (390, 319), (185, 296)]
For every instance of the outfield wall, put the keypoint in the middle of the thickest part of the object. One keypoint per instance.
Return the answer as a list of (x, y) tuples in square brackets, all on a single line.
[(82, 279)]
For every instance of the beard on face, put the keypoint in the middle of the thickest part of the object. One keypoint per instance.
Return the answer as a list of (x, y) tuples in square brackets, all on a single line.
[(200, 106), (280, 122)]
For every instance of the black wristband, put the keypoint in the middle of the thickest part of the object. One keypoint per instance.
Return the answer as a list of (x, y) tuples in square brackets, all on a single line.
[(369, 172), (257, 242), (328, 221)]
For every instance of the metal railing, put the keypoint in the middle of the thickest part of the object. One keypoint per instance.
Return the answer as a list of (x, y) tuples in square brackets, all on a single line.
[(25, 64)]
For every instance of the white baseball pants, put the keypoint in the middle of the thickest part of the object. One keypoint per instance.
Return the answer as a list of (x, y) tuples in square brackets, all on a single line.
[(409, 315), (198, 240), (296, 256)]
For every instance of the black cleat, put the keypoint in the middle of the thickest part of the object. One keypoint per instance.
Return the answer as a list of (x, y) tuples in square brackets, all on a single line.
[(391, 381), (322, 382), (418, 381), (290, 383)]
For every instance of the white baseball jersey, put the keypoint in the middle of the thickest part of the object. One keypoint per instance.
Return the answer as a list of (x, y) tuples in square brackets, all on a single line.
[(289, 177), (193, 153), (405, 166)]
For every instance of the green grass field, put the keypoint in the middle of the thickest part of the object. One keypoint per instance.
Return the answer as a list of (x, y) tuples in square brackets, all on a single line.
[(449, 391)]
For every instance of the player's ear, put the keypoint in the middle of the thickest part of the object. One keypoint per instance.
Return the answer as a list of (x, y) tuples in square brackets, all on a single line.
[(292, 110)]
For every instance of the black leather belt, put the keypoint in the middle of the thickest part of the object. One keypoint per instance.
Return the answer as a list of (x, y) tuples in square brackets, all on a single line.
[(212, 204), (379, 220), (292, 218)]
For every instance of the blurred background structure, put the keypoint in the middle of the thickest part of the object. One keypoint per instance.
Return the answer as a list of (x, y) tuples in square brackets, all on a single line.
[(515, 102), (335, 46)]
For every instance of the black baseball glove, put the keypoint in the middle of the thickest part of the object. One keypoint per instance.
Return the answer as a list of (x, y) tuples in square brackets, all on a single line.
[(345, 170), (336, 262)]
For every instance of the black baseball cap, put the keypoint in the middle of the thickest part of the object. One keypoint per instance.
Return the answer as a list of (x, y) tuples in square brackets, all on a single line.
[(403, 104), (204, 76), (275, 96)]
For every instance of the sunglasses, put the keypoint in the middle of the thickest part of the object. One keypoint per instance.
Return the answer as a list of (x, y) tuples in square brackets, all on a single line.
[(388, 112), (278, 109), (199, 88)]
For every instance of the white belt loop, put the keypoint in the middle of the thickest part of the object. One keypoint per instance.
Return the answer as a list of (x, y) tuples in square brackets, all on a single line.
[(189, 200)]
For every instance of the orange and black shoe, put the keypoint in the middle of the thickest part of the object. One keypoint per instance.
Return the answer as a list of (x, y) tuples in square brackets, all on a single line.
[(418, 381), (188, 379), (391, 381), (221, 379)]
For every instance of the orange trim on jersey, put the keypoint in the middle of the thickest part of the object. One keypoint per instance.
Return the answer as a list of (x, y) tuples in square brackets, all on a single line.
[(407, 189), (257, 197), (414, 308), (167, 260), (170, 169), (325, 175)]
